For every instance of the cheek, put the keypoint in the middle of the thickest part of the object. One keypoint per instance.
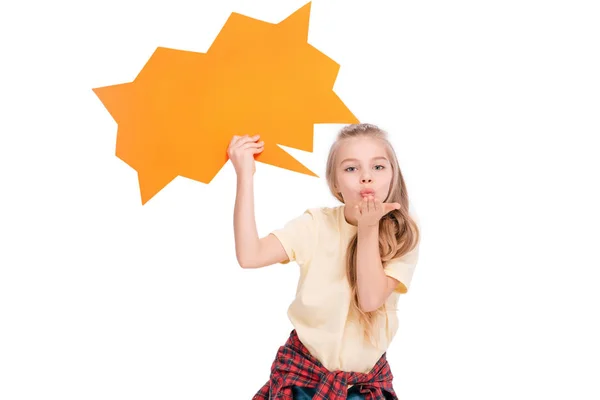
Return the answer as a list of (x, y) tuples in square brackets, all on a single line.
[(343, 184), (386, 180)]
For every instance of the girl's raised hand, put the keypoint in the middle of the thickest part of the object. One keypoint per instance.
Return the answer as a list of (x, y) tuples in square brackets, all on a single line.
[(370, 210), (241, 152)]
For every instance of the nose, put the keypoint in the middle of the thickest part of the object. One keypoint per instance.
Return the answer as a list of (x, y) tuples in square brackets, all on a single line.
[(366, 179)]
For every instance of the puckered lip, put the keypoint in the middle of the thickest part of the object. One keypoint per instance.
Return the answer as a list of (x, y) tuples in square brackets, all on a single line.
[(366, 192)]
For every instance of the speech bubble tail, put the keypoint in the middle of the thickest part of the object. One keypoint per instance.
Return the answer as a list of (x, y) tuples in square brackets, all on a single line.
[(276, 156)]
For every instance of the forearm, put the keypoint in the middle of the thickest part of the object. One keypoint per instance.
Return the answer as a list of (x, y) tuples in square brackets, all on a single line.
[(371, 280), (244, 221)]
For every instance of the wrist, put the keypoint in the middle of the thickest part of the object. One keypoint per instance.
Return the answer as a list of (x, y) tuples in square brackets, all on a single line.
[(245, 178), (365, 228)]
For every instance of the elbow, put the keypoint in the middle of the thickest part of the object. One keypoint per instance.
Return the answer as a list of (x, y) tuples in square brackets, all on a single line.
[(243, 262), (246, 262), (370, 304), (372, 299)]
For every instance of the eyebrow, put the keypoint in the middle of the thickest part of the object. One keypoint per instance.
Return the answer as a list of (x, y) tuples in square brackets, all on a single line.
[(373, 159)]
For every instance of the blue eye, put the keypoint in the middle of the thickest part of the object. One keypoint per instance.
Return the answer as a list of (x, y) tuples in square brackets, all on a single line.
[(347, 169), (382, 167)]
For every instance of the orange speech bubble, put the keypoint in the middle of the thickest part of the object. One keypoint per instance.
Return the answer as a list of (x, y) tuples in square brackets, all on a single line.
[(179, 114)]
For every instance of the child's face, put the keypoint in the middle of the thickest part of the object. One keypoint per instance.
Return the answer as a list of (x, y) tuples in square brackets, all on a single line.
[(363, 168)]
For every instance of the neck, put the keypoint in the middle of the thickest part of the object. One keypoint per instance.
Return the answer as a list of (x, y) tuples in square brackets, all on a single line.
[(349, 219)]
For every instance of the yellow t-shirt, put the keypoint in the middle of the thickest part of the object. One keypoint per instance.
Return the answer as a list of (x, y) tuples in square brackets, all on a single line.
[(317, 240)]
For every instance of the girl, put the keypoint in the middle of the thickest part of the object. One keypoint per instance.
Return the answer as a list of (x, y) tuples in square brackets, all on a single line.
[(355, 260)]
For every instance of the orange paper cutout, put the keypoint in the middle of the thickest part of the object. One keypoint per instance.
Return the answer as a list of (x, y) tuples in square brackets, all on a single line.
[(179, 114)]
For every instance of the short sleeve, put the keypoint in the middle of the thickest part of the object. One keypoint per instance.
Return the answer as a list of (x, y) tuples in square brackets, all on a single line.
[(298, 237), (402, 269)]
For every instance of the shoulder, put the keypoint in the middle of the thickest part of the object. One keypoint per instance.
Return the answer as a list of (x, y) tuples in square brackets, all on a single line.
[(325, 215), (321, 211), (317, 218)]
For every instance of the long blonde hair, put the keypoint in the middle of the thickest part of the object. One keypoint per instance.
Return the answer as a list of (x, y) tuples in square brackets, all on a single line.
[(398, 232)]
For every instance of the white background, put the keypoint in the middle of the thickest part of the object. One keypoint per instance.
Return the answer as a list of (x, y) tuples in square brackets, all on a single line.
[(494, 111)]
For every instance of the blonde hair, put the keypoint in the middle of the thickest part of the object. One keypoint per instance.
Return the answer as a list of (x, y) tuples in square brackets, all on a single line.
[(398, 232)]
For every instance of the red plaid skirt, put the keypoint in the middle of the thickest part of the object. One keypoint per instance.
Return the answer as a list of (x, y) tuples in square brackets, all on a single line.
[(295, 366)]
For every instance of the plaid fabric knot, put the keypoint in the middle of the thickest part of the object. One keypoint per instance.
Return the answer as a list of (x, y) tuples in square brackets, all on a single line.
[(295, 366)]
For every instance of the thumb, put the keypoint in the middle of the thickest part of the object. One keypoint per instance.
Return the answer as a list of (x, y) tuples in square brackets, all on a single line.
[(391, 206)]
